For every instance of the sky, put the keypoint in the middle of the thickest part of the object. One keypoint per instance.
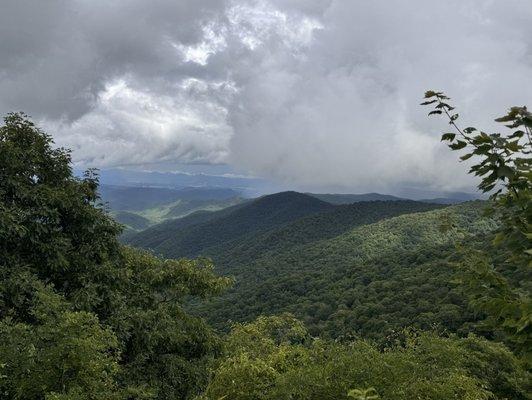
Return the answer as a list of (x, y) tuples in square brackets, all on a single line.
[(316, 95)]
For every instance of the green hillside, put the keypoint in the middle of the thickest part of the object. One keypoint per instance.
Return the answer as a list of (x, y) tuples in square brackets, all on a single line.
[(368, 281), (288, 230), (140, 207), (367, 268), (183, 207), (309, 229), (131, 220), (227, 225), (158, 234), (335, 198)]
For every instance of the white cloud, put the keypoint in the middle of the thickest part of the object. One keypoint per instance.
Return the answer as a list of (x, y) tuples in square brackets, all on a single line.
[(129, 127), (347, 114), (311, 93), (212, 43)]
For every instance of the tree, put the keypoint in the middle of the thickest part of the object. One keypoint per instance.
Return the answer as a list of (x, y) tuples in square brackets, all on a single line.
[(50, 228), (363, 394), (274, 358), (62, 354), (73, 299), (504, 164)]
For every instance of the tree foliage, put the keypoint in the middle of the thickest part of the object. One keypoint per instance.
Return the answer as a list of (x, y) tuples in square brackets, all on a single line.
[(368, 281), (275, 358), (503, 163), (80, 315), (62, 354)]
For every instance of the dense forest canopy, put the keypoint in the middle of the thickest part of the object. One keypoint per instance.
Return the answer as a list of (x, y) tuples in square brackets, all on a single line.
[(83, 317), (367, 268), (386, 299), (275, 358), (371, 280)]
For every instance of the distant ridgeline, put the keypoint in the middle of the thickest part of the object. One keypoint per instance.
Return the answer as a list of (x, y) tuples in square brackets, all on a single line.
[(138, 207), (362, 269)]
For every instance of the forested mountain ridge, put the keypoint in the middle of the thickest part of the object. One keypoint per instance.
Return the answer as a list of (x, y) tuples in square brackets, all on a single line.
[(366, 268), (312, 228), (335, 198), (154, 236), (270, 222), (223, 226), (138, 207), (131, 220), (369, 280), (443, 198)]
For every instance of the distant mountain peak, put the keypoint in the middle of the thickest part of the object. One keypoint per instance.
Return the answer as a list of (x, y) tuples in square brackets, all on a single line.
[(340, 198), (247, 218), (290, 196)]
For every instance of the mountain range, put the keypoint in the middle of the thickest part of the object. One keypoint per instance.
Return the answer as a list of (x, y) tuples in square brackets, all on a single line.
[(139, 207), (366, 268)]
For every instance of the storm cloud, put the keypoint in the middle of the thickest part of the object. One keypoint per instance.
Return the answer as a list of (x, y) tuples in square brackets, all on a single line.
[(315, 94)]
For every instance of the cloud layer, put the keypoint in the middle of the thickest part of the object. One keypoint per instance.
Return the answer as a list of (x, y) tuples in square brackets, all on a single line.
[(318, 94)]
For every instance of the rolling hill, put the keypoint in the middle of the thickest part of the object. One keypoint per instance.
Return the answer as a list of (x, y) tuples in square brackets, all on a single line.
[(131, 220), (365, 269), (370, 281), (451, 198), (269, 224), (315, 227), (353, 198), (213, 229), (140, 207)]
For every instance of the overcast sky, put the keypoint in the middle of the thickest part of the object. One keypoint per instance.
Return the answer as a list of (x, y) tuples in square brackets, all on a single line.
[(312, 94)]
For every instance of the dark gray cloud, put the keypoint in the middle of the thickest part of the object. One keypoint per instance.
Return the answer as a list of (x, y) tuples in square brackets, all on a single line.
[(343, 111), (57, 56), (313, 93)]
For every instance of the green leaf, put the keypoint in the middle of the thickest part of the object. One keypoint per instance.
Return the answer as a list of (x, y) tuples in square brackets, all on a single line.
[(505, 171), (448, 136), (445, 105), (460, 144), (483, 150), (513, 146), (483, 138), (517, 134), (512, 114)]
